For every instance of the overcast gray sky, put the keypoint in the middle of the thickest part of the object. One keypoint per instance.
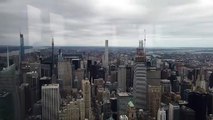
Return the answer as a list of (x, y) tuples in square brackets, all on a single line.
[(168, 23)]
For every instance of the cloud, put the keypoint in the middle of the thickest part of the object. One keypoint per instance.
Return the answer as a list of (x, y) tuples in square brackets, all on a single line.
[(90, 22)]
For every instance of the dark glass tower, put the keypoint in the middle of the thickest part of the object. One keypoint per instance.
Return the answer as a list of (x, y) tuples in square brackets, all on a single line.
[(198, 102)]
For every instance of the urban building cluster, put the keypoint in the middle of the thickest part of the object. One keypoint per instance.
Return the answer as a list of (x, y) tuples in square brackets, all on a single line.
[(80, 83)]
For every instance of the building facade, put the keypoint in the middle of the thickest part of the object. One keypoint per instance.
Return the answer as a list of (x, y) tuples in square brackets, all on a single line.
[(50, 101), (87, 98), (122, 78), (65, 74), (154, 100), (140, 82)]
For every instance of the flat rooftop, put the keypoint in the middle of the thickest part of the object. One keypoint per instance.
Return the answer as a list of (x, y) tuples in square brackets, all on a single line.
[(123, 94)]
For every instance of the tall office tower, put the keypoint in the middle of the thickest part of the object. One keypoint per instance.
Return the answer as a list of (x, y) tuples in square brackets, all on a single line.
[(9, 81), (87, 98), (22, 101), (65, 74), (161, 114), (131, 111), (129, 77), (33, 84), (122, 78), (198, 102), (21, 52), (184, 86), (140, 82), (154, 100), (174, 111), (122, 100), (106, 55), (50, 101), (6, 106), (79, 73), (25, 98)]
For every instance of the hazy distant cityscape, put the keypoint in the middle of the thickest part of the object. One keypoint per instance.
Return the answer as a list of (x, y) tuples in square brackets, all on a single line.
[(105, 83)]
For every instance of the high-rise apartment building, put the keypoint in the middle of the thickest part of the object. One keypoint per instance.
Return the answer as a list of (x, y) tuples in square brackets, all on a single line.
[(106, 55), (140, 82), (87, 97), (122, 78), (21, 52), (50, 101)]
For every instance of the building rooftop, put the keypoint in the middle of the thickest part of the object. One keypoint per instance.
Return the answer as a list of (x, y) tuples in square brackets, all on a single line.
[(50, 86), (130, 104), (123, 94), (45, 78), (165, 81)]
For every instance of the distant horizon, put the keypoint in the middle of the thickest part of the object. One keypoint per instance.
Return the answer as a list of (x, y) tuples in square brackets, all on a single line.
[(103, 46)]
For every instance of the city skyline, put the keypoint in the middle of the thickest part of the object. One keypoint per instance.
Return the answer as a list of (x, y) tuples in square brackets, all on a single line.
[(74, 23)]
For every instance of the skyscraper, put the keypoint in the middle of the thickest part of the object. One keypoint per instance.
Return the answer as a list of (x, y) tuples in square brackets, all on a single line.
[(50, 101), (21, 52), (9, 81), (122, 78), (6, 106), (65, 74), (198, 102), (106, 59), (140, 82), (52, 66), (87, 98), (154, 100)]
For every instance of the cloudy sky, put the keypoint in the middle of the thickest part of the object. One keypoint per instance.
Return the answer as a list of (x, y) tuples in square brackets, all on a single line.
[(168, 23)]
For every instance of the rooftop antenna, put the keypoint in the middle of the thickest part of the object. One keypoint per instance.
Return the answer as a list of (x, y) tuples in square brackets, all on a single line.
[(8, 64)]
